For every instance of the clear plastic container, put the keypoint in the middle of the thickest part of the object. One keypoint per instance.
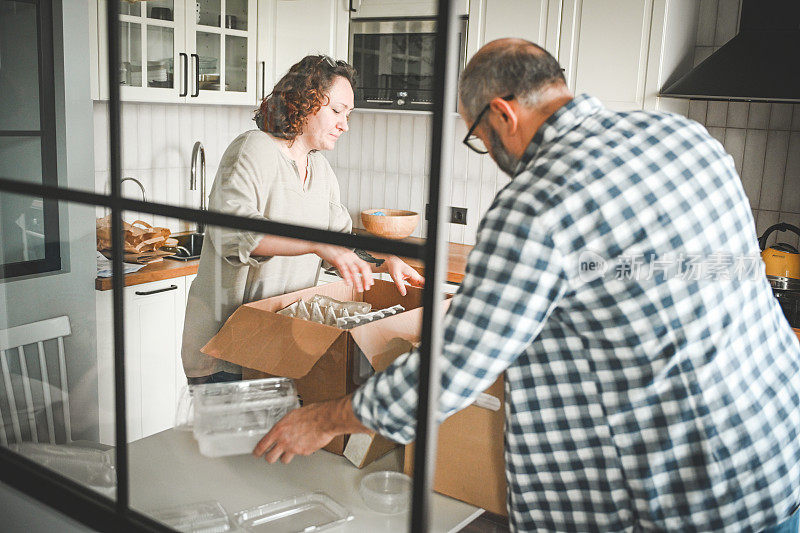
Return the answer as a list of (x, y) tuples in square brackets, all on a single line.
[(204, 517), (230, 418), (88, 466), (307, 513), (386, 491)]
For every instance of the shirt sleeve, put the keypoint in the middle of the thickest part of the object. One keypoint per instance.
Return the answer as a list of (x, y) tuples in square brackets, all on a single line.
[(513, 281), (240, 188)]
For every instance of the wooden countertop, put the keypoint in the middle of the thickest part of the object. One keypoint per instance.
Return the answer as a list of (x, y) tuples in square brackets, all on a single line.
[(166, 269)]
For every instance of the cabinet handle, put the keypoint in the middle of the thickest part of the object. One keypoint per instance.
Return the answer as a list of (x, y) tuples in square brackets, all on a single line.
[(354, 9), (196, 75), (148, 293), (263, 79), (185, 59)]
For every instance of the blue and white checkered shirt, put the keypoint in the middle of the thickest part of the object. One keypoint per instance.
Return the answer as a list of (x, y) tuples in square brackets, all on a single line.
[(651, 379)]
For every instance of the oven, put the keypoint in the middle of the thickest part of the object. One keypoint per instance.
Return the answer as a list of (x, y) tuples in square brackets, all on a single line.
[(395, 61)]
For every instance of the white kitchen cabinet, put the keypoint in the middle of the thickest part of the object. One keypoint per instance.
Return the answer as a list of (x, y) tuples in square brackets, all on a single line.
[(192, 51), (623, 51), (534, 20), (400, 8), (292, 29), (153, 324)]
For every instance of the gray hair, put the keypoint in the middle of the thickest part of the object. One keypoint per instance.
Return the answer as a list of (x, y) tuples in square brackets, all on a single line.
[(515, 67)]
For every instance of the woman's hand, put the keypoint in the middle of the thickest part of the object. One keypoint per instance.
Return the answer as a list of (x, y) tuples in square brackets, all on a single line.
[(355, 271), (402, 272)]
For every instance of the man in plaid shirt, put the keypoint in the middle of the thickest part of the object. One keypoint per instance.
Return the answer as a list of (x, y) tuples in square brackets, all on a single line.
[(651, 379)]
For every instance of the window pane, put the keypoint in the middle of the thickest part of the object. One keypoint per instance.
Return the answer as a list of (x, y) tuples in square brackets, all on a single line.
[(208, 12), (208, 48), (235, 64), (237, 14), (53, 396), (22, 220), (21, 159), (127, 7), (130, 47), (19, 75), (160, 9), (160, 68)]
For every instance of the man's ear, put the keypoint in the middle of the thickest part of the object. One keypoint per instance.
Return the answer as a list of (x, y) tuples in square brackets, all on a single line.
[(507, 118)]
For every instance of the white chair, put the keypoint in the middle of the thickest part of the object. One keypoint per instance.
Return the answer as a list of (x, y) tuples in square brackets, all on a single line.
[(14, 340)]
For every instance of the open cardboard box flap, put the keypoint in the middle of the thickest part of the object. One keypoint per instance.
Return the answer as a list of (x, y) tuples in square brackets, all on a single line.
[(256, 337)]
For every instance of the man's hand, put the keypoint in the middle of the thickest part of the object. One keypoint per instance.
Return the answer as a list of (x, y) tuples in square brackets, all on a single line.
[(306, 430), (355, 271), (402, 272)]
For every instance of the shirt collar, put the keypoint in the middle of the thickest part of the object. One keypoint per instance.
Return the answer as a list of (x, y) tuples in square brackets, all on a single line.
[(564, 119)]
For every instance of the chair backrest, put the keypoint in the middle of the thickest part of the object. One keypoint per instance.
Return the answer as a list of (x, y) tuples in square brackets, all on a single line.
[(14, 340)]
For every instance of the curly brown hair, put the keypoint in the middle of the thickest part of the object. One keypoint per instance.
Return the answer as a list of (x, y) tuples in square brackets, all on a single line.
[(299, 94)]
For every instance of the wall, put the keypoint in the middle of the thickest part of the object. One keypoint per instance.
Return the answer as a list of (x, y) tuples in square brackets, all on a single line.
[(71, 291), (383, 160), (763, 138), (157, 141)]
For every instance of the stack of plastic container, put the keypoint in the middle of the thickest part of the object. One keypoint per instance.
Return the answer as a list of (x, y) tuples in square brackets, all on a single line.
[(230, 418)]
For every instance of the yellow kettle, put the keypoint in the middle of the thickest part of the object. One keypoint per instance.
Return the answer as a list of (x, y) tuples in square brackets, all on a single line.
[(782, 260)]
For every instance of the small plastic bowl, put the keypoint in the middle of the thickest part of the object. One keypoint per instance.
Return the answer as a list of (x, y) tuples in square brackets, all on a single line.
[(386, 491)]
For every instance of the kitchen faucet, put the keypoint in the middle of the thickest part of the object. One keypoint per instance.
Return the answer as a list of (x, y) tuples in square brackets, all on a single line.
[(137, 182), (198, 150)]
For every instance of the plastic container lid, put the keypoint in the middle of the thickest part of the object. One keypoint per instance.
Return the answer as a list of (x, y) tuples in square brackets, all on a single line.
[(203, 517), (307, 513), (92, 467), (386, 491)]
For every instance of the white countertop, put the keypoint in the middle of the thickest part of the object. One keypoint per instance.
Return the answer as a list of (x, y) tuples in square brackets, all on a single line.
[(166, 470)]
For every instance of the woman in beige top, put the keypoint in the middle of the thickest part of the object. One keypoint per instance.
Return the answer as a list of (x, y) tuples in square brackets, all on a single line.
[(277, 173)]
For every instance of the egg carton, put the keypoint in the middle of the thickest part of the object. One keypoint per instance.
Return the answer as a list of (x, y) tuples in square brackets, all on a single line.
[(350, 322)]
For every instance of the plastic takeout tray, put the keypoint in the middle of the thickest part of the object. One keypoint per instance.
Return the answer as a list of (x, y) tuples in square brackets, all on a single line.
[(230, 418), (203, 517), (307, 513)]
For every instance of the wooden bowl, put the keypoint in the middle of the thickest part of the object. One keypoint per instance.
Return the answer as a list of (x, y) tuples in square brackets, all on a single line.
[(394, 224)]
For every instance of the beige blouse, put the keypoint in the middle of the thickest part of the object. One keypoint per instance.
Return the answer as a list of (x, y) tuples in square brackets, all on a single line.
[(255, 179)]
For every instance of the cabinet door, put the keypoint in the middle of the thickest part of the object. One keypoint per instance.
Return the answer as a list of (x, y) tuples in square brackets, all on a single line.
[(153, 315), (180, 375), (604, 48), (400, 8), (304, 27), (221, 40), (534, 20), (152, 36)]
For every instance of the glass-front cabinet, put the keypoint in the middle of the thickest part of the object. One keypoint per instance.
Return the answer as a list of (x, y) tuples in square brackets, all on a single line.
[(183, 50)]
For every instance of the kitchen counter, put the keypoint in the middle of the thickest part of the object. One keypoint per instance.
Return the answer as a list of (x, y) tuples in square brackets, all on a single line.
[(167, 470), (166, 269)]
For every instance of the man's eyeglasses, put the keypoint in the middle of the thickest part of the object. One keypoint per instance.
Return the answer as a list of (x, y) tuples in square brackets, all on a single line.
[(472, 141)]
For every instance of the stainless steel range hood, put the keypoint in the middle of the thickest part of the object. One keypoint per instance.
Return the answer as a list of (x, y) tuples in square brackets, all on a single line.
[(762, 63)]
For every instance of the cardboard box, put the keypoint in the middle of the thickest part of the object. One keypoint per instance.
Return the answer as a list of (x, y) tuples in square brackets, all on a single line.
[(325, 362), (470, 465)]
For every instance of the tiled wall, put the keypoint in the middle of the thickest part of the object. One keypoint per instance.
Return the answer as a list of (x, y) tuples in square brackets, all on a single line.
[(383, 161), (764, 139), (157, 141)]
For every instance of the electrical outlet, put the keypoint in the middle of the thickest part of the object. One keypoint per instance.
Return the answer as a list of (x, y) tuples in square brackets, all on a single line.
[(458, 215)]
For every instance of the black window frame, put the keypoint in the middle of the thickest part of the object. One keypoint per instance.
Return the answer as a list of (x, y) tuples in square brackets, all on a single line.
[(91, 508), (51, 261)]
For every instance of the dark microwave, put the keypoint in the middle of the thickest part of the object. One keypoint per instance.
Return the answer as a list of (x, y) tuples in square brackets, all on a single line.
[(394, 59)]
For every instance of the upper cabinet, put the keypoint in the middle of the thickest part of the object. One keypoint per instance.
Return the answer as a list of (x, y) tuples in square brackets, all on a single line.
[(200, 51), (623, 51), (399, 8), (534, 20), (291, 29)]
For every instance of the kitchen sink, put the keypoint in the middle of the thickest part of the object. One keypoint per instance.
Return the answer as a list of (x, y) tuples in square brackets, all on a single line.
[(189, 246)]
